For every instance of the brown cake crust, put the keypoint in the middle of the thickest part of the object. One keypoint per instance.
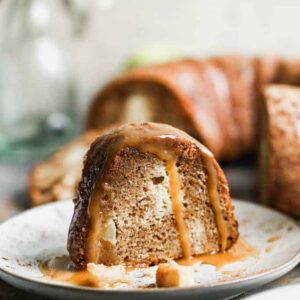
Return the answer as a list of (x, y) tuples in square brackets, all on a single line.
[(267, 70), (241, 76), (99, 165), (289, 72), (218, 84)]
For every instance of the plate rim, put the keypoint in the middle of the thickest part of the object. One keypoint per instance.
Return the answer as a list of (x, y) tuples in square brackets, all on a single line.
[(272, 290), (268, 273)]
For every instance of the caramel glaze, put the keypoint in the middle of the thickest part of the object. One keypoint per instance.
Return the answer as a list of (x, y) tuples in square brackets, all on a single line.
[(215, 201), (177, 207), (160, 140), (239, 251)]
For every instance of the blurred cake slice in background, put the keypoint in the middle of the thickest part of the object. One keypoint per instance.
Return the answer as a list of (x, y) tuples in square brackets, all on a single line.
[(57, 177), (280, 148)]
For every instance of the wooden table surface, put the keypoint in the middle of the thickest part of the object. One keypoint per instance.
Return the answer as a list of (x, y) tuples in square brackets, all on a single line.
[(13, 199)]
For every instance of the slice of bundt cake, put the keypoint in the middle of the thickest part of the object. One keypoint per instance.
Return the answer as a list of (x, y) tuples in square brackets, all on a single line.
[(280, 148), (57, 177), (149, 192), (216, 100)]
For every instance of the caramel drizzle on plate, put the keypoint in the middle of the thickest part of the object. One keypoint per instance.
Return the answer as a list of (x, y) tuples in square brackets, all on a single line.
[(241, 250), (60, 268)]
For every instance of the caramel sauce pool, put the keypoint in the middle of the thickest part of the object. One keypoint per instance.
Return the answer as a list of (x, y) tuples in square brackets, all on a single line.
[(60, 268)]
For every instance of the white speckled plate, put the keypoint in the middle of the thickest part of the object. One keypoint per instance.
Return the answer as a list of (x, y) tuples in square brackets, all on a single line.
[(41, 232)]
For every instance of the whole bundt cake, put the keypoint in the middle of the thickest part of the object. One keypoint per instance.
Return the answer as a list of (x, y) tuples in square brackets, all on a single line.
[(216, 100), (148, 193), (178, 94), (280, 148)]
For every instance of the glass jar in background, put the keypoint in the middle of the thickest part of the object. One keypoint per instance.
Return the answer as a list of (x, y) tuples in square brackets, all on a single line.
[(37, 87)]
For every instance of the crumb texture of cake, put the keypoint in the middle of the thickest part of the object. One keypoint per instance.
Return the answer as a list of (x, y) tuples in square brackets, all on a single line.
[(57, 177), (173, 275), (279, 151), (149, 193), (217, 100)]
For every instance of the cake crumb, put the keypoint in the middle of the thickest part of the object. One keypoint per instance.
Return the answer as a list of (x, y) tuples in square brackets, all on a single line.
[(273, 238), (269, 248), (173, 275), (108, 276)]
